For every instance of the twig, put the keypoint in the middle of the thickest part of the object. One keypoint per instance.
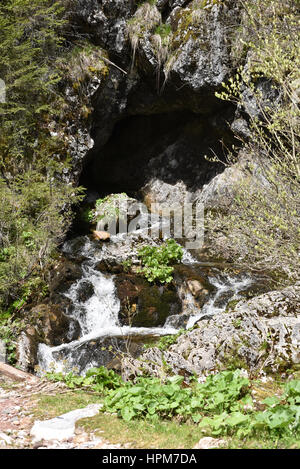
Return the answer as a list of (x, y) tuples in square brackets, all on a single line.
[(113, 64)]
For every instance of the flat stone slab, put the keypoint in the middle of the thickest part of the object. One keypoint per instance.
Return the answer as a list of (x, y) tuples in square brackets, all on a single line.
[(62, 427)]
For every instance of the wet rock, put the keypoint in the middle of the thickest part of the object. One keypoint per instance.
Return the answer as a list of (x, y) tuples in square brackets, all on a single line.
[(65, 274), (105, 351), (110, 266), (84, 291), (259, 334), (193, 287), (144, 304), (178, 321)]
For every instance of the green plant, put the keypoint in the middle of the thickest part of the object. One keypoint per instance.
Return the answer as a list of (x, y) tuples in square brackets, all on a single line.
[(152, 399), (261, 229), (157, 261), (127, 264), (32, 223), (222, 405), (165, 342), (97, 379), (35, 201), (9, 330), (108, 208)]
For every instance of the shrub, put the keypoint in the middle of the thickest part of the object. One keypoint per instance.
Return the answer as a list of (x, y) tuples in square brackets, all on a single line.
[(262, 228), (157, 261)]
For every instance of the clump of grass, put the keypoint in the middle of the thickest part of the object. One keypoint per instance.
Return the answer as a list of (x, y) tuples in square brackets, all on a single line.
[(145, 19)]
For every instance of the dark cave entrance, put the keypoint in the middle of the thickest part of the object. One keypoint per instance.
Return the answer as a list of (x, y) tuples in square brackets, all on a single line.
[(165, 147), (171, 147)]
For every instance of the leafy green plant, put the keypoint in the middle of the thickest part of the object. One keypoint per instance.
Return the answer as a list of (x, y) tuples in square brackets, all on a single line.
[(127, 264), (9, 330), (222, 405), (35, 201), (165, 342), (98, 379), (157, 261), (152, 399), (107, 208)]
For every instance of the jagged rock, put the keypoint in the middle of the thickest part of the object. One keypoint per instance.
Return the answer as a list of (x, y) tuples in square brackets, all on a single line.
[(104, 22), (259, 334), (203, 58)]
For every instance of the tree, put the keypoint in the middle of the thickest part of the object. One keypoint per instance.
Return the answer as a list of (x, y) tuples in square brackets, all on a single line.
[(35, 202)]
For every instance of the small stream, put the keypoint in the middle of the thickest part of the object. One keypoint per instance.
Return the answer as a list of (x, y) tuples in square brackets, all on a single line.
[(101, 333)]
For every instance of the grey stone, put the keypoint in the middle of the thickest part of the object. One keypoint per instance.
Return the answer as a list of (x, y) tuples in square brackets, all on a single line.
[(260, 334)]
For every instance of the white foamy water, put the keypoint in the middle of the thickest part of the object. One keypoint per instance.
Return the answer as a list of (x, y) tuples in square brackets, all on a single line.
[(95, 308), (230, 285), (101, 309)]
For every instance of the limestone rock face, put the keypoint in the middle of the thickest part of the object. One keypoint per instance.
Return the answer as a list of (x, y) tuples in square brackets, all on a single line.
[(154, 122), (259, 334), (203, 57)]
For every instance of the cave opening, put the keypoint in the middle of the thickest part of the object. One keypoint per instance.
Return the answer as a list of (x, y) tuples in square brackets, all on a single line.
[(170, 147), (162, 149)]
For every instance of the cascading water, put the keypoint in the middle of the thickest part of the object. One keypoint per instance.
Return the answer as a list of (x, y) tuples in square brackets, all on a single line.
[(225, 286), (96, 311), (97, 316)]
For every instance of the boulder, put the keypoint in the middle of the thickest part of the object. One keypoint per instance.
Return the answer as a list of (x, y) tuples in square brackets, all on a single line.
[(64, 274)]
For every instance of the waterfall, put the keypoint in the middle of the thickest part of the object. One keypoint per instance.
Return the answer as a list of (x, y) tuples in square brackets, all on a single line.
[(96, 311)]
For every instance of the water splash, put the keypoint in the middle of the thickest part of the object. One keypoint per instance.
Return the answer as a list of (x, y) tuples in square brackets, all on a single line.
[(95, 308)]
